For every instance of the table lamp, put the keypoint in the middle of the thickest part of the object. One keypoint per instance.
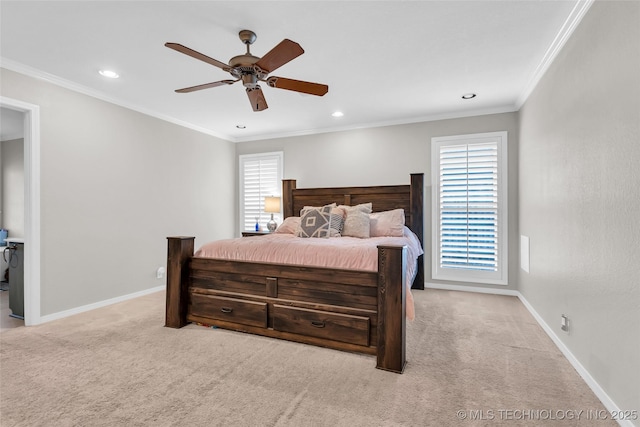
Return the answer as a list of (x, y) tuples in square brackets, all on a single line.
[(272, 205)]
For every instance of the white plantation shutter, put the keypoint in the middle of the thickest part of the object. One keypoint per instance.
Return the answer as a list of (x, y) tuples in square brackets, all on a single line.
[(469, 206), (470, 216), (260, 177)]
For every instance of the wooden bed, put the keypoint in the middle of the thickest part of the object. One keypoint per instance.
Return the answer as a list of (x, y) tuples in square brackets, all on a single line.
[(349, 310)]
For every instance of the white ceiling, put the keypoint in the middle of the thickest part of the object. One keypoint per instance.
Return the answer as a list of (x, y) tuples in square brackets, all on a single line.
[(385, 62)]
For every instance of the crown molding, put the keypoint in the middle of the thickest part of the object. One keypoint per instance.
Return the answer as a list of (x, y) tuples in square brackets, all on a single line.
[(567, 29), (67, 84), (371, 125)]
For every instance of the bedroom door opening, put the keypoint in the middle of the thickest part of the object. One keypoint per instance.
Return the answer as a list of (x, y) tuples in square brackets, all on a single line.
[(11, 218), (31, 114)]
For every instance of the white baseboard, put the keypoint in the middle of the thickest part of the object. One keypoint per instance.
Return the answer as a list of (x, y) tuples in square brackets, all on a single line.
[(477, 289), (608, 403), (582, 371), (99, 304)]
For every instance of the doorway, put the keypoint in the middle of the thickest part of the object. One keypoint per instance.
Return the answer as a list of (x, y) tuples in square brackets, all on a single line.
[(31, 127), (11, 218)]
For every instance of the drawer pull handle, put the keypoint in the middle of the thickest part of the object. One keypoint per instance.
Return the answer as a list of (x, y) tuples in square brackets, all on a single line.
[(317, 324), (226, 309)]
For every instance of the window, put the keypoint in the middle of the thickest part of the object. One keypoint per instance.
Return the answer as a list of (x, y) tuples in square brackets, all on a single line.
[(260, 177), (469, 199)]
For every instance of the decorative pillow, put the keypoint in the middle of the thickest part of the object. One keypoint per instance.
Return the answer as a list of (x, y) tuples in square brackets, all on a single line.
[(315, 222), (356, 224), (337, 219), (387, 223), (356, 221), (333, 205), (289, 226)]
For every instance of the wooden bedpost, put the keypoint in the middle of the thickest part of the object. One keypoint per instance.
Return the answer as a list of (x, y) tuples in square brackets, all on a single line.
[(417, 222), (180, 250), (392, 308), (288, 185)]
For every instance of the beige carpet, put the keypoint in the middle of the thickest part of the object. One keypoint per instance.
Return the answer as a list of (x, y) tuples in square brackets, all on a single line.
[(118, 366)]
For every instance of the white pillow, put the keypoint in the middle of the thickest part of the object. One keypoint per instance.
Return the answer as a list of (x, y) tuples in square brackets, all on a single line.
[(387, 223), (356, 222)]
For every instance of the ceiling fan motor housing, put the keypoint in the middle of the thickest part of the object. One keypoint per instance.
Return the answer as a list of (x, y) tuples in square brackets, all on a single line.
[(242, 67), (243, 61)]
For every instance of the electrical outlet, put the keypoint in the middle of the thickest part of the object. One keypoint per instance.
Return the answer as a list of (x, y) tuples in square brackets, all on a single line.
[(160, 273), (564, 323)]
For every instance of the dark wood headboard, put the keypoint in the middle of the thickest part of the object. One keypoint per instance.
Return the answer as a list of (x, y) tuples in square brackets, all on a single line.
[(383, 198)]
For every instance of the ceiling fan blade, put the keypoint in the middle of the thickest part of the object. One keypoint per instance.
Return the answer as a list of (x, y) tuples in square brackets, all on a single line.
[(194, 54), (298, 86), (206, 86), (256, 97), (284, 52)]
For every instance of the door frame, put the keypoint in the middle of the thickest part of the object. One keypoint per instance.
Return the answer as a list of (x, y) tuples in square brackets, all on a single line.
[(31, 206)]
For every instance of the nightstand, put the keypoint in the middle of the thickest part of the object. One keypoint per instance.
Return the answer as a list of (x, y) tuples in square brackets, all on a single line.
[(255, 233)]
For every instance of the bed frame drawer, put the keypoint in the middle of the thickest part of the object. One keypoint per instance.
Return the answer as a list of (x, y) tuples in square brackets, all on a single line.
[(322, 324), (234, 310)]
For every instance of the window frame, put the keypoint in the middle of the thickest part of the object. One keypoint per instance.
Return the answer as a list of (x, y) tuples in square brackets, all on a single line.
[(499, 277), (263, 216)]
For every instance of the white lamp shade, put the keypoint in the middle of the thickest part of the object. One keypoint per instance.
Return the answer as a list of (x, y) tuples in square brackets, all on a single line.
[(272, 204)]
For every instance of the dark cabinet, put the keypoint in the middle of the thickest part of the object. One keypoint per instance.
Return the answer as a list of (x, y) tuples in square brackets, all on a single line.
[(14, 254)]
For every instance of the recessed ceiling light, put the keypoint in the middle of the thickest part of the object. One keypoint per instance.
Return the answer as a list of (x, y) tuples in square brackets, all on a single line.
[(108, 73), (241, 126), (337, 114), (468, 95)]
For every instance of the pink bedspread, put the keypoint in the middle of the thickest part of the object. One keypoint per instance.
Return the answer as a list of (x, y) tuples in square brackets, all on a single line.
[(341, 252)]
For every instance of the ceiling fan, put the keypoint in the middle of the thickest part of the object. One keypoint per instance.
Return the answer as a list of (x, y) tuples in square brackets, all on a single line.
[(252, 69)]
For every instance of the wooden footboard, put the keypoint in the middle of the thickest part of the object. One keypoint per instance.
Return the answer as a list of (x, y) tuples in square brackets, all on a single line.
[(348, 310)]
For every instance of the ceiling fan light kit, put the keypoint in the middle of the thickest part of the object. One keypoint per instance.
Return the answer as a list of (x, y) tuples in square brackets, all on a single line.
[(251, 70)]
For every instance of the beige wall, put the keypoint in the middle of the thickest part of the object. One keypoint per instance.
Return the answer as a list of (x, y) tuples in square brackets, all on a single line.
[(114, 184), (580, 198), (386, 156)]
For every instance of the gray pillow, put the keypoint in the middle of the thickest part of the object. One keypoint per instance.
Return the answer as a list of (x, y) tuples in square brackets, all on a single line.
[(315, 222), (337, 219)]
